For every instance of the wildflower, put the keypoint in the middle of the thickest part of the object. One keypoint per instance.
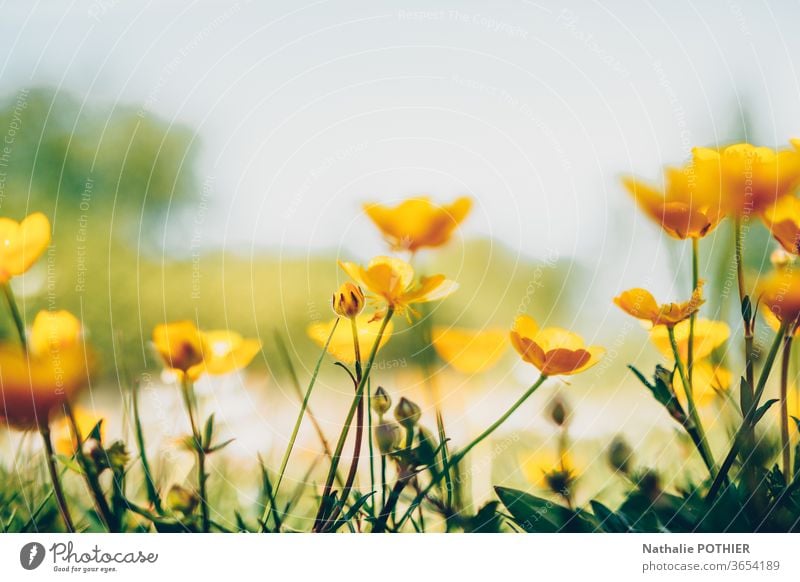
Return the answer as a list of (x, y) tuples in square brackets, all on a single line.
[(341, 345), (780, 293), (66, 441), (407, 413), (554, 351), (22, 243), (35, 384), (182, 500), (417, 222), (187, 350), (381, 401), (469, 351), (392, 281), (708, 336), (783, 221), (348, 301), (550, 470), (747, 178), (680, 210), (641, 304)]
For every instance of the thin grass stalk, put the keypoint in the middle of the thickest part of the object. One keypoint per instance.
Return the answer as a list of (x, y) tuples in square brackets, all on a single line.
[(58, 491), (189, 402), (784, 409), (298, 422)]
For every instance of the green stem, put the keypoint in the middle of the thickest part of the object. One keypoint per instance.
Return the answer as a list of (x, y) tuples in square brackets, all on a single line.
[(19, 322), (747, 420), (371, 449), (459, 455), (337, 453), (383, 480), (785, 445), (297, 423), (90, 476), (57, 490), (693, 318), (703, 449), (199, 448)]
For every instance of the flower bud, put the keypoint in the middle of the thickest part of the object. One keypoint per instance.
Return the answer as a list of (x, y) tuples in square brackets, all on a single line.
[(92, 449), (620, 455), (381, 401), (407, 413), (181, 500), (387, 435), (558, 411), (348, 301)]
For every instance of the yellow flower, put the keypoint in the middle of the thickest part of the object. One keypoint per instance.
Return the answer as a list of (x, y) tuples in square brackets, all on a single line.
[(469, 351), (708, 336), (187, 350), (554, 351), (679, 209), (417, 222), (392, 280), (773, 322), (780, 293), (36, 384), (64, 440), (348, 301), (22, 243), (547, 469), (707, 380), (745, 177), (341, 345), (783, 221), (641, 304)]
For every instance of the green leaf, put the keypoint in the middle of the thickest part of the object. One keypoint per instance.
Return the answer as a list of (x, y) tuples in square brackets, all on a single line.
[(534, 514), (762, 410), (610, 522), (208, 432)]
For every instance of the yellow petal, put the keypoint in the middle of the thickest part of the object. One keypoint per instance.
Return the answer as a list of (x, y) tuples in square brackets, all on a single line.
[(708, 336), (53, 330), (21, 244), (526, 326), (341, 345)]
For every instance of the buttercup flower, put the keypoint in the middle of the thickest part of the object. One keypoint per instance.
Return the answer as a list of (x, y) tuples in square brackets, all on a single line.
[(708, 380), (65, 440), (348, 301), (746, 177), (392, 280), (708, 336), (641, 304), (469, 351), (780, 293), (417, 222), (547, 469), (341, 344), (680, 209), (22, 243), (783, 221), (554, 351), (187, 350), (35, 384)]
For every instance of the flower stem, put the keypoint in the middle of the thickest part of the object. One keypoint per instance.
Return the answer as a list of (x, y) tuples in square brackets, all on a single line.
[(703, 448), (19, 322), (61, 501), (693, 317), (337, 453), (749, 415), (371, 449), (785, 445), (90, 476), (296, 429), (199, 448), (459, 455), (351, 474)]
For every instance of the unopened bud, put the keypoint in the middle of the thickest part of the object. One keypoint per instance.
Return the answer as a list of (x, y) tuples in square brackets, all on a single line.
[(559, 412), (381, 401), (182, 500), (92, 449), (387, 435), (348, 301), (620, 455), (407, 413)]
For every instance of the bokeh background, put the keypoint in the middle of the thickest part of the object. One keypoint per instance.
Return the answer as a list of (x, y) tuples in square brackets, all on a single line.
[(208, 160)]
